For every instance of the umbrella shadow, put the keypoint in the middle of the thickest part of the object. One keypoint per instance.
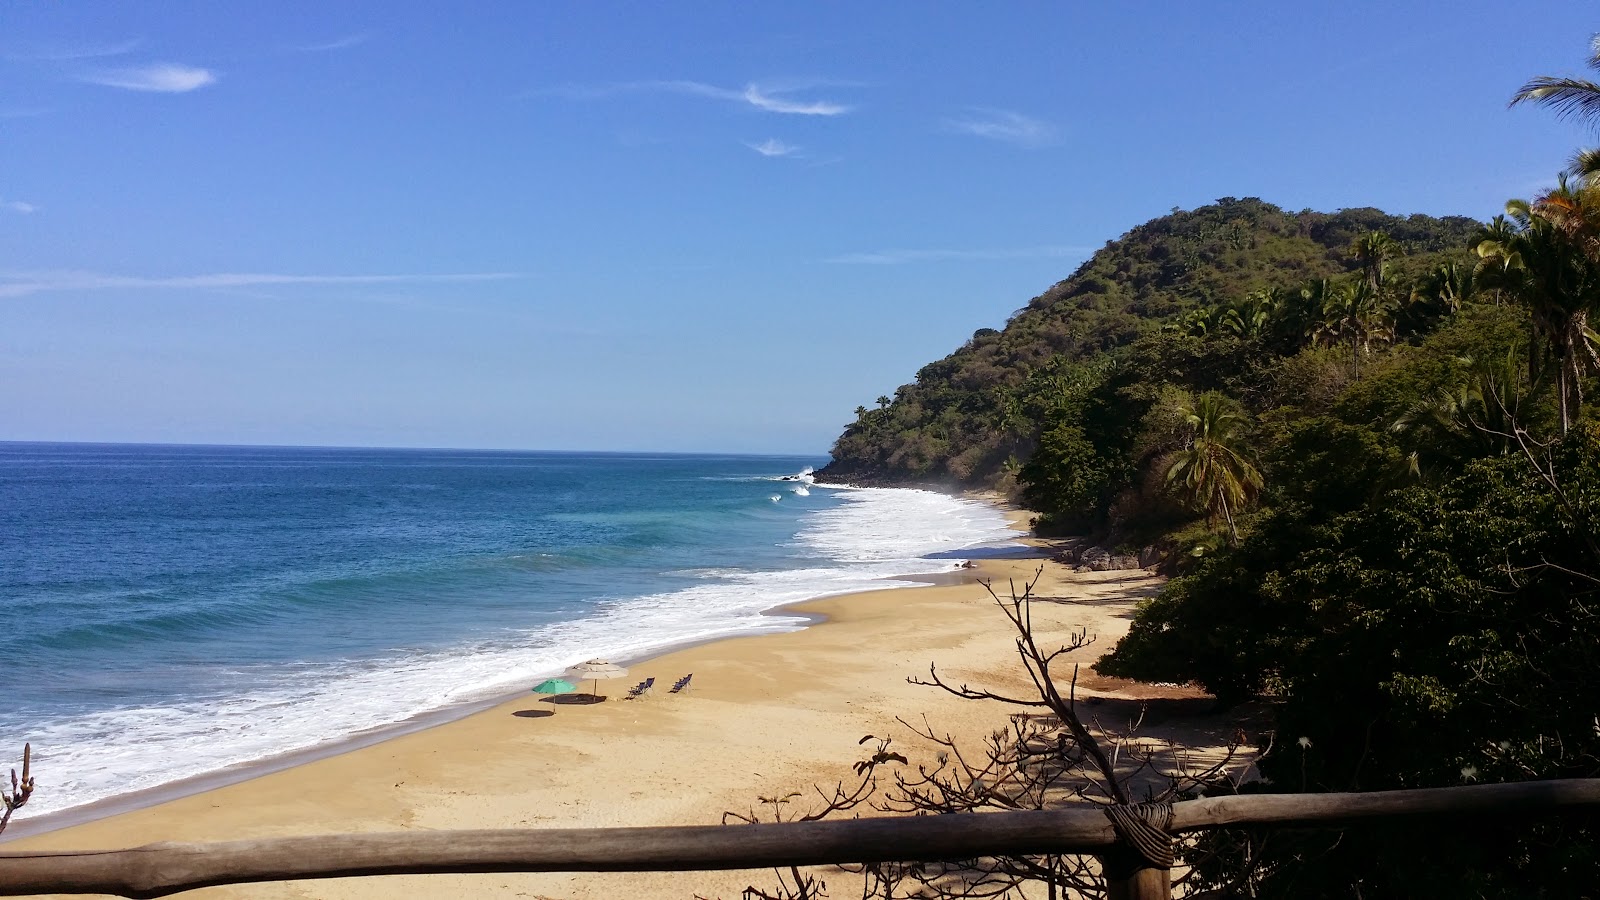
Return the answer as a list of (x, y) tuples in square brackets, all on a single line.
[(534, 713), (574, 699)]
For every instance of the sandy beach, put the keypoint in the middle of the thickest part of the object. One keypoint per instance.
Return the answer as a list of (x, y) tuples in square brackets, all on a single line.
[(764, 716)]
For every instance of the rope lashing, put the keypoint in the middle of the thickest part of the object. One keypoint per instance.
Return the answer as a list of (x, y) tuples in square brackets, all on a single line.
[(1144, 828)]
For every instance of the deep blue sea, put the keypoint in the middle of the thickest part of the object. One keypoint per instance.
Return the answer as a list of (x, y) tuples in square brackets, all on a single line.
[(175, 611)]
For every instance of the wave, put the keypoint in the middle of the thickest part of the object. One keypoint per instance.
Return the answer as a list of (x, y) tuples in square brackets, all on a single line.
[(864, 541)]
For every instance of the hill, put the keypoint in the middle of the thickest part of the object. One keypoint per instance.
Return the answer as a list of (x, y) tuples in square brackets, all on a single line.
[(974, 418)]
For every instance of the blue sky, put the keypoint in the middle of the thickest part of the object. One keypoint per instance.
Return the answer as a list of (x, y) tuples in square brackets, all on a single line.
[(687, 226)]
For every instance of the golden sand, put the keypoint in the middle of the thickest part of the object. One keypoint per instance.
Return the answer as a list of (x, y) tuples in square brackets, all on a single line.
[(764, 716)]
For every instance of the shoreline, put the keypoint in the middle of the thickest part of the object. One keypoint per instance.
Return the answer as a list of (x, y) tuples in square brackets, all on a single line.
[(21, 828), (134, 801), (24, 827), (766, 715)]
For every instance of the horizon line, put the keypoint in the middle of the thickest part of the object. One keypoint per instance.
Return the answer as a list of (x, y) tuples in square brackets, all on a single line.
[(210, 445)]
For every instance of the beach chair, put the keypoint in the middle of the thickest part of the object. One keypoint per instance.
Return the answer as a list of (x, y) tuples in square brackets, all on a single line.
[(681, 684), (642, 688)]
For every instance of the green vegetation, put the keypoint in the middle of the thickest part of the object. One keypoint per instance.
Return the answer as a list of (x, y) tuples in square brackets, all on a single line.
[(1242, 278), (1364, 445), (1211, 471)]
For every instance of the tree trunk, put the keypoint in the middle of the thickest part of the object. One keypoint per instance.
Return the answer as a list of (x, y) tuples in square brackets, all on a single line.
[(1233, 533), (1564, 395)]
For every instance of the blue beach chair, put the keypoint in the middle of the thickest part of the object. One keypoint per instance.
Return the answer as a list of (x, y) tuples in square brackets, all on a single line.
[(642, 688), (681, 684)]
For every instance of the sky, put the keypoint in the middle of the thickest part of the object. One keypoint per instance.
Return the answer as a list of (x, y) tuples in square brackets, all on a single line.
[(643, 226)]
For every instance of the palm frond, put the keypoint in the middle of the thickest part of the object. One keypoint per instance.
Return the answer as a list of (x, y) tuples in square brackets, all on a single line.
[(1569, 97), (1585, 166)]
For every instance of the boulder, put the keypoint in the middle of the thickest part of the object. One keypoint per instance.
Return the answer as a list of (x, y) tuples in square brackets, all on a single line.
[(1099, 559)]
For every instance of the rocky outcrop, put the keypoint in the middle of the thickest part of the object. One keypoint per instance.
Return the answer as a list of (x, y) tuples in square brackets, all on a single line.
[(1087, 557)]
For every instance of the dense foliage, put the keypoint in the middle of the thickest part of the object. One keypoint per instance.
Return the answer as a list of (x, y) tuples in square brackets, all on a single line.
[(975, 416), (1364, 443)]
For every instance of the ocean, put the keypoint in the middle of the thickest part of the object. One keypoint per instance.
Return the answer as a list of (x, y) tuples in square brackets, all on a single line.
[(173, 612)]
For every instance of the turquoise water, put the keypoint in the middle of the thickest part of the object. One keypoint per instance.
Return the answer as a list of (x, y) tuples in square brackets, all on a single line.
[(187, 609)]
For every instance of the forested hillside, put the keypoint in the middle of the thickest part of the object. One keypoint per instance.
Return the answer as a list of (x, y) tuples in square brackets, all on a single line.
[(1365, 447), (974, 417)]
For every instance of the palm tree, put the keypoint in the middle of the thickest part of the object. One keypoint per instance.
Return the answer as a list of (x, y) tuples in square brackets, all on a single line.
[(1197, 322), (1352, 311), (1372, 250), (1477, 412), (1307, 313), (1546, 255), (883, 402), (1249, 316), (1577, 98), (1447, 286), (1212, 471)]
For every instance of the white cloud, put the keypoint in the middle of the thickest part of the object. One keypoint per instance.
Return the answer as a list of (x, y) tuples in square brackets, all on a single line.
[(68, 53), (773, 147), (1004, 125), (168, 78), (772, 103), (18, 206), (769, 99), (900, 257), (349, 40), (23, 284)]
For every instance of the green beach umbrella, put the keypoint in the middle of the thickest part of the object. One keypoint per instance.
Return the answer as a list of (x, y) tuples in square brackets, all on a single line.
[(554, 686)]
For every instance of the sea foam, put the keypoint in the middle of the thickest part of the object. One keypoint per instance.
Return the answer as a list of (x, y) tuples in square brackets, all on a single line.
[(864, 540)]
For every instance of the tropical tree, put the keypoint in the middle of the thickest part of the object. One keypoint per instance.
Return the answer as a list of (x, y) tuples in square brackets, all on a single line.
[(1577, 98), (1546, 256), (1196, 322), (1470, 418), (1212, 471), (1372, 250), (1250, 316), (1314, 298), (1065, 478), (1446, 287), (1355, 312)]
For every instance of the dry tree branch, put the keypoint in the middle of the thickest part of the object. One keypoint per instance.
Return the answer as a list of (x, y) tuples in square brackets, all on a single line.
[(21, 788), (1046, 757)]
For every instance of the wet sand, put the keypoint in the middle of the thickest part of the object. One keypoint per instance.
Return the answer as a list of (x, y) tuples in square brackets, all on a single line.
[(764, 716)]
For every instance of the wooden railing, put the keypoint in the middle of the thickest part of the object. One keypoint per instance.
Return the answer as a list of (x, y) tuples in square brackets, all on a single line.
[(156, 870)]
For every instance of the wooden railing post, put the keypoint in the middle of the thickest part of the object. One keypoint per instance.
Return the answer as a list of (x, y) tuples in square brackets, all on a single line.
[(1129, 877), (1139, 866)]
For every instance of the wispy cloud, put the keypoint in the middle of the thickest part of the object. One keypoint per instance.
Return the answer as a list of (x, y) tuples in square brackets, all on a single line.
[(17, 206), (777, 99), (23, 284), (68, 53), (1003, 125), (167, 78), (772, 101), (773, 147), (901, 257), (349, 40)]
